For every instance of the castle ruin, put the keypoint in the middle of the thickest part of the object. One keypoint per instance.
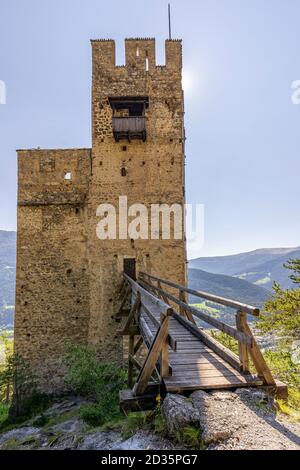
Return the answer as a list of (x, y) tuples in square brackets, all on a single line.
[(67, 278)]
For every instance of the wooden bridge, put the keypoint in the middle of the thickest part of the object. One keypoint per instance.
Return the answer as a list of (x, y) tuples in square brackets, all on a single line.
[(179, 356)]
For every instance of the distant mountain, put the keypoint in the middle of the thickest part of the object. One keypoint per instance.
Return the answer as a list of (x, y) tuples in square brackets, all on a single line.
[(261, 267), (226, 286), (7, 278)]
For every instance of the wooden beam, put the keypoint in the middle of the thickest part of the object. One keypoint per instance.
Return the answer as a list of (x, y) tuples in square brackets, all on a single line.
[(135, 363), (131, 330), (151, 359), (171, 340), (205, 295), (229, 330), (182, 310), (162, 295), (122, 288), (130, 364), (241, 319), (130, 320), (162, 306), (164, 360), (258, 358), (146, 332), (129, 402), (138, 345)]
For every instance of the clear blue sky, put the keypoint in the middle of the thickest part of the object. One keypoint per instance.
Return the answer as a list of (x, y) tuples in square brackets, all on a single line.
[(240, 58)]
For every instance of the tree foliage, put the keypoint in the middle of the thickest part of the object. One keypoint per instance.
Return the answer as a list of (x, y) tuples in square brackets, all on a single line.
[(283, 308)]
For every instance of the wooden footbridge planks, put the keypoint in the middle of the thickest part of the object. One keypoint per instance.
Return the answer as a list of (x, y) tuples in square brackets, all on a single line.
[(186, 357), (196, 366)]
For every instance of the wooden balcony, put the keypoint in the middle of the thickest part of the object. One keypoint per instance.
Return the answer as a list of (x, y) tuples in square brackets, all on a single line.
[(129, 128)]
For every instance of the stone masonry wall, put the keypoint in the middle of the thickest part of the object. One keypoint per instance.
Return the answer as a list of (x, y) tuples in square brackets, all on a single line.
[(52, 292)]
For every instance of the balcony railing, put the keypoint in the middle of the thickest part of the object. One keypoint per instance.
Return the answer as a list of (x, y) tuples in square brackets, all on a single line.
[(130, 127)]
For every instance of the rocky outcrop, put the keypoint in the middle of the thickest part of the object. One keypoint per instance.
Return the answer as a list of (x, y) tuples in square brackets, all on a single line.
[(244, 419), (240, 420), (60, 428), (178, 412)]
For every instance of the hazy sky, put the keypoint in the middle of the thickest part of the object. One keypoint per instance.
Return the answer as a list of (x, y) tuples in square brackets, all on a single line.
[(240, 59)]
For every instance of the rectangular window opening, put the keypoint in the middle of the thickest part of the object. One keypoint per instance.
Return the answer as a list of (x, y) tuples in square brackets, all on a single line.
[(68, 175)]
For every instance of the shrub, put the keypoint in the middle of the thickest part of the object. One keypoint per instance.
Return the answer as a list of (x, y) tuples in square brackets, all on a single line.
[(134, 422), (95, 381)]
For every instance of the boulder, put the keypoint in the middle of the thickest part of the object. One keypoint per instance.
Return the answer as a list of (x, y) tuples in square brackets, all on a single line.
[(178, 412)]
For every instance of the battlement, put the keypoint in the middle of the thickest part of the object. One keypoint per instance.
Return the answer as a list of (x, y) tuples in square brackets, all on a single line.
[(140, 54)]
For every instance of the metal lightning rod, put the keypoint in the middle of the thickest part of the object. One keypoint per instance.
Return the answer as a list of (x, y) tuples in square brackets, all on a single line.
[(169, 15)]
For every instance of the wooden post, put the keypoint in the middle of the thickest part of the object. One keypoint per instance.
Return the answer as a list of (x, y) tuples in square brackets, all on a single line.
[(241, 320), (164, 298), (182, 297), (152, 357), (182, 311), (133, 314), (138, 345), (164, 362), (257, 357), (130, 364)]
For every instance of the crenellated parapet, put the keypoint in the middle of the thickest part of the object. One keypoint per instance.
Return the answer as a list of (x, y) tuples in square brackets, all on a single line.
[(140, 54)]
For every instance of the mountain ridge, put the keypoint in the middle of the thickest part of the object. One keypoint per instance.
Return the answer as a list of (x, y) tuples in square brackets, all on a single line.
[(262, 266)]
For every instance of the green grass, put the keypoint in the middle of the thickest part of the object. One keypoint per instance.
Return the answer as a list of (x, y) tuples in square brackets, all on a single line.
[(190, 436), (133, 422)]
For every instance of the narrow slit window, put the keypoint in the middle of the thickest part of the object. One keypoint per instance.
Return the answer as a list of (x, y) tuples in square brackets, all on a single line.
[(147, 64), (137, 52)]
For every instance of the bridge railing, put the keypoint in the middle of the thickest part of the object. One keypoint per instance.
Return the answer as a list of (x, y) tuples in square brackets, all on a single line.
[(147, 309), (242, 333)]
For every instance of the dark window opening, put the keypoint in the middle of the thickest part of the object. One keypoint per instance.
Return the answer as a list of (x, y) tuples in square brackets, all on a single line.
[(130, 267), (123, 172)]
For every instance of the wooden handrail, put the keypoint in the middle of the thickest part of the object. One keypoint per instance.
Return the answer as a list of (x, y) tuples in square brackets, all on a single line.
[(205, 295), (164, 309), (231, 331), (242, 333), (155, 318)]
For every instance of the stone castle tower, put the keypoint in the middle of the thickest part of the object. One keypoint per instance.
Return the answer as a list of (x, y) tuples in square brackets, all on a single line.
[(67, 278)]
